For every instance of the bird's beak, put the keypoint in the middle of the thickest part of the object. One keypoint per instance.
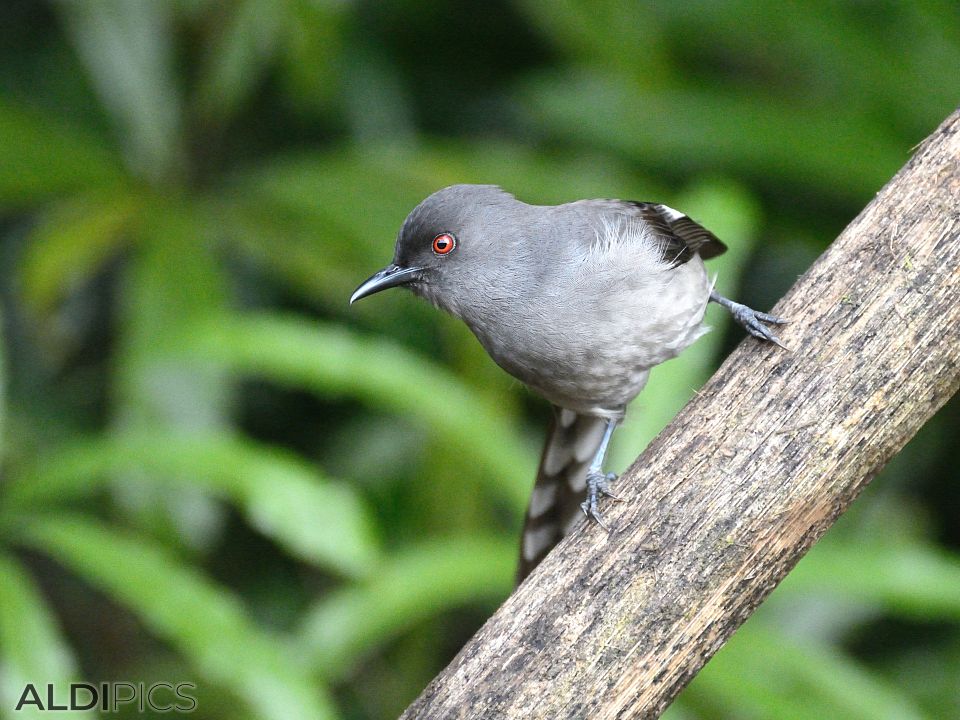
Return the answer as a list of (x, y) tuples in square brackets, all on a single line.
[(390, 276)]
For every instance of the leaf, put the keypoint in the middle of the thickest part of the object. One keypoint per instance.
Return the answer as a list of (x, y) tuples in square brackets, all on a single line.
[(32, 649), (243, 45), (70, 243), (313, 43), (3, 395), (334, 362), (172, 277), (203, 621), (43, 156), (765, 674), (838, 151), (127, 47), (828, 36), (908, 579), (284, 498), (597, 32), (413, 585)]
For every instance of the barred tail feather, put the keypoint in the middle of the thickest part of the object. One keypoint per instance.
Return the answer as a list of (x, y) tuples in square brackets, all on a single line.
[(554, 510)]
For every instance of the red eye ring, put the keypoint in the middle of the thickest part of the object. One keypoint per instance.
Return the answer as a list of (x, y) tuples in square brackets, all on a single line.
[(444, 243)]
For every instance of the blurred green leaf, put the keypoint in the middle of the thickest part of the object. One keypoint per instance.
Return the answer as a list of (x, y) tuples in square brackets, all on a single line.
[(70, 243), (761, 673), (335, 362), (205, 622), (410, 586), (127, 47), (906, 579), (290, 247), (837, 36), (3, 393), (173, 277), (244, 42), (836, 150), (597, 31), (314, 40), (32, 648), (282, 496), (43, 156)]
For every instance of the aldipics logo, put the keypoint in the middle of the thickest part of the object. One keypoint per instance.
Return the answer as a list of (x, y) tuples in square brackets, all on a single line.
[(110, 697)]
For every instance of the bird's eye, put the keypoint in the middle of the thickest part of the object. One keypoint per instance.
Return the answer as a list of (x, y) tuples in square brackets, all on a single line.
[(444, 243)]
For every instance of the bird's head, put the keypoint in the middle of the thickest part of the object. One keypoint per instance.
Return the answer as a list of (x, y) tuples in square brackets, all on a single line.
[(448, 242)]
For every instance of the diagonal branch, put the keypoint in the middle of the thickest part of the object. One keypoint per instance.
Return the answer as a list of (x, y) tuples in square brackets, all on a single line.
[(747, 477)]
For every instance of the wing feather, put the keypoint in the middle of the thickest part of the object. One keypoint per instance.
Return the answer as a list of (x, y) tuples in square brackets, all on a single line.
[(682, 237)]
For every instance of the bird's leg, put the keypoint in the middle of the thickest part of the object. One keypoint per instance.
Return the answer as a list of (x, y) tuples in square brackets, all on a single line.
[(598, 482), (751, 319)]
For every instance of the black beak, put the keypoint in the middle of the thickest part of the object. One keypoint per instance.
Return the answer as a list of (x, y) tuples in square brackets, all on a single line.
[(390, 276)]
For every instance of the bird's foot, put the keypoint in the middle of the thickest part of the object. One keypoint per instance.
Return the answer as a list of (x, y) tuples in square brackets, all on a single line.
[(752, 319), (598, 484)]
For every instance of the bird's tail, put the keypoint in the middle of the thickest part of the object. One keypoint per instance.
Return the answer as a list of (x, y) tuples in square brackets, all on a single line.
[(554, 510)]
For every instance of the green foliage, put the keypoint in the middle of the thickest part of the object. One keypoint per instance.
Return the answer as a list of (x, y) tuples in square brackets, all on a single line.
[(32, 644), (212, 463), (332, 362), (768, 675), (203, 621), (43, 157), (283, 497), (410, 587)]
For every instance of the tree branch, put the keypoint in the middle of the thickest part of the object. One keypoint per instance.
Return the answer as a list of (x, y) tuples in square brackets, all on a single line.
[(747, 477)]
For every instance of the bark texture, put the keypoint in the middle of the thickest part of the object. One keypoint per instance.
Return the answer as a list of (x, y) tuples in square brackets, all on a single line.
[(747, 477)]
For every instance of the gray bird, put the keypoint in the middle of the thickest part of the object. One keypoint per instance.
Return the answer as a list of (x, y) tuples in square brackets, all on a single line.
[(577, 301)]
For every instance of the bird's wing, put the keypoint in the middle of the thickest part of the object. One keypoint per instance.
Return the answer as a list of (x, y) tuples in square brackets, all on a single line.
[(554, 509), (680, 237)]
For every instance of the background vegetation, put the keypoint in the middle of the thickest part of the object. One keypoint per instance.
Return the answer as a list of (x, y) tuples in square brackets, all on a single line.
[(216, 471)]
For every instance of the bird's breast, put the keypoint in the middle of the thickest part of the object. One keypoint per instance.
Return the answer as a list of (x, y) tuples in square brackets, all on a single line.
[(590, 347)]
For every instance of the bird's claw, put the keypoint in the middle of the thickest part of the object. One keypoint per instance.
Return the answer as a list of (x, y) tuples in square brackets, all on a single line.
[(753, 321), (598, 484)]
